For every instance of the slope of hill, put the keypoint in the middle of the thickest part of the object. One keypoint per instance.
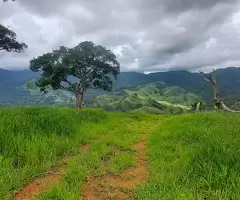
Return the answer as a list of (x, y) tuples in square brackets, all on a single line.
[(160, 96)]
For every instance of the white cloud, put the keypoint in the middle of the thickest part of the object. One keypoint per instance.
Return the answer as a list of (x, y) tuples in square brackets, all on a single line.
[(152, 35)]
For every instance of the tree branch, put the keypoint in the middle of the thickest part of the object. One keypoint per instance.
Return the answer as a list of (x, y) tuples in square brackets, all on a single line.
[(228, 109)]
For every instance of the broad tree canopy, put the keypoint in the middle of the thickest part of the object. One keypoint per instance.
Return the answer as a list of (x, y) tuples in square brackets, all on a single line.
[(76, 69)]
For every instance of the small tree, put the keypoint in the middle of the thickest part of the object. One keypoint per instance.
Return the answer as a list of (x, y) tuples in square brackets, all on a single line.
[(77, 69)]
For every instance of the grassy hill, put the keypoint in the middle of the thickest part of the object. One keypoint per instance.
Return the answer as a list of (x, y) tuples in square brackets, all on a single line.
[(153, 98), (192, 156)]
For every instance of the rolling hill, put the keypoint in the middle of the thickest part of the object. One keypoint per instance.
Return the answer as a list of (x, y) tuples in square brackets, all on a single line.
[(155, 97)]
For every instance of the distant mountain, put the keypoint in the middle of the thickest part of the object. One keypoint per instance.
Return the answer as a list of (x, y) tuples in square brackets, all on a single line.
[(228, 81), (13, 92), (156, 97), (11, 89), (131, 79)]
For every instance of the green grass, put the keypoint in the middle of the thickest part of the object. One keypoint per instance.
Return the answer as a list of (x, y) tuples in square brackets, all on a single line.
[(194, 156), (33, 140), (110, 152), (119, 163)]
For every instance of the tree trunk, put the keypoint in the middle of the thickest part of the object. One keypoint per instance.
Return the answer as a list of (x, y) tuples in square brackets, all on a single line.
[(79, 97)]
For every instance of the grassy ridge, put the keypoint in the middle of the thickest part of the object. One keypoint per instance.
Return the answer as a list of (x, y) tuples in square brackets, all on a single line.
[(194, 157)]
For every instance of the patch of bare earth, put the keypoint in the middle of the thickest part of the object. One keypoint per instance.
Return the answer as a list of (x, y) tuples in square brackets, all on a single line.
[(85, 147), (120, 186), (43, 184)]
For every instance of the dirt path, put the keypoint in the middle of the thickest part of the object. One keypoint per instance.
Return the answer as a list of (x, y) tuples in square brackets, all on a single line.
[(107, 187), (40, 185), (119, 187)]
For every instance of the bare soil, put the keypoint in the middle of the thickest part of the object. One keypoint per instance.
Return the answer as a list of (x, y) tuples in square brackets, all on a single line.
[(43, 184), (120, 186)]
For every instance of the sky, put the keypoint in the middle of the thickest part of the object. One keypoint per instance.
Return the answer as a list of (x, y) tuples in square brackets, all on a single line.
[(145, 35)]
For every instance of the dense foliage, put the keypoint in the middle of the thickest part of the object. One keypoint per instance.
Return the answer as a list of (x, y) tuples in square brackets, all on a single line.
[(77, 69)]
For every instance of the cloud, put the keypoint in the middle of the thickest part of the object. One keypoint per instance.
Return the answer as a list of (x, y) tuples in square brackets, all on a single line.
[(152, 35)]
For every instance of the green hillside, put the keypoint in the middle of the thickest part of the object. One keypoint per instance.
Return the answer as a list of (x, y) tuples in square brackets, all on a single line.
[(156, 97), (192, 156)]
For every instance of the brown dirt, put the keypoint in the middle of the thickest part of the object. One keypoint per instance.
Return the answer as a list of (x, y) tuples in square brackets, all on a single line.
[(121, 186), (85, 147), (35, 188), (42, 184)]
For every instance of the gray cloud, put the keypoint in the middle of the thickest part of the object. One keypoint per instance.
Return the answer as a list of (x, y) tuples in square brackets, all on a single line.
[(149, 35)]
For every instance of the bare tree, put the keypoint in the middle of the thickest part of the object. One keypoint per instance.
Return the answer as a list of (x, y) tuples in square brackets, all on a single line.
[(219, 104)]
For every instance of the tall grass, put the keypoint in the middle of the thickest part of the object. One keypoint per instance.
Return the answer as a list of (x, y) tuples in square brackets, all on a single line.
[(109, 153), (196, 156), (33, 139)]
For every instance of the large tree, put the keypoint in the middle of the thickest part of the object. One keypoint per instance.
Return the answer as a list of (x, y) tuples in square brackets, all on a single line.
[(8, 40), (77, 69)]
